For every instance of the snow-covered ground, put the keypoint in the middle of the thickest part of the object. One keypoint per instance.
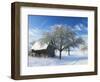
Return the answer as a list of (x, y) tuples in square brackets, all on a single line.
[(76, 58)]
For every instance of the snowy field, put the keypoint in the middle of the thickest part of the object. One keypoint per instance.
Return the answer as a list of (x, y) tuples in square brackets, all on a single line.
[(76, 58)]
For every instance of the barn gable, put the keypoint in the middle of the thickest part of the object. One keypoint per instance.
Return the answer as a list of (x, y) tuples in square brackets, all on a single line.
[(38, 46), (46, 50)]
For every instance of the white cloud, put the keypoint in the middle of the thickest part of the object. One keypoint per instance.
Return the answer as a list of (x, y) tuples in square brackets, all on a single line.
[(34, 34), (43, 23), (77, 27), (80, 27)]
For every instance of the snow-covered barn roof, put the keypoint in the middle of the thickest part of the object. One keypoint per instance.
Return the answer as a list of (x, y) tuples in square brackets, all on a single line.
[(38, 46)]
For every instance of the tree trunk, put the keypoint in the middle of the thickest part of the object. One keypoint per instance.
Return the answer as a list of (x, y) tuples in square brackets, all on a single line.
[(69, 51), (60, 55)]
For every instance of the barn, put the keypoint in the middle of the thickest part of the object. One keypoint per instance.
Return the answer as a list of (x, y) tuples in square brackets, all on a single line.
[(43, 50)]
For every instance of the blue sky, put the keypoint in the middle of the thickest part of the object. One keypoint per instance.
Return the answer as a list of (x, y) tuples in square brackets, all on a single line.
[(39, 24), (44, 22)]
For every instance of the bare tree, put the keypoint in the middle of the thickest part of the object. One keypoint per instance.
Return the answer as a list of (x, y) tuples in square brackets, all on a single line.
[(62, 37)]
